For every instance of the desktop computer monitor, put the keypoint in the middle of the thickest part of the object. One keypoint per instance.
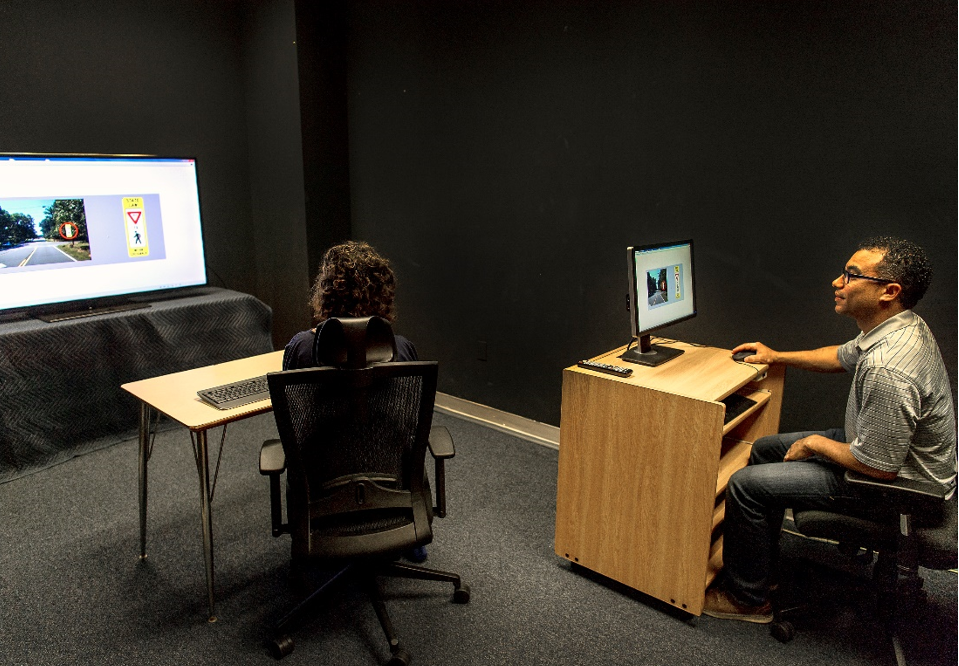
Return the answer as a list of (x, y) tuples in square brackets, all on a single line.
[(661, 293)]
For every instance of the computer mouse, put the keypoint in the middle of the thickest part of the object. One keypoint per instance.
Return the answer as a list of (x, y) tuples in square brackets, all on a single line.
[(740, 356)]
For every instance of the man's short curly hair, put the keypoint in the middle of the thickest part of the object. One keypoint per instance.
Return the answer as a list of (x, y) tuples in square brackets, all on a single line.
[(354, 281), (906, 263)]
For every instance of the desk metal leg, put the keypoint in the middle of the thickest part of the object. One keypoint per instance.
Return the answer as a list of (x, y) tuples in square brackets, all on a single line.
[(144, 458), (206, 518)]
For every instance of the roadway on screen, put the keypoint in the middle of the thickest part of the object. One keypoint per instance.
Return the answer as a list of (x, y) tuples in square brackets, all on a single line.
[(33, 254)]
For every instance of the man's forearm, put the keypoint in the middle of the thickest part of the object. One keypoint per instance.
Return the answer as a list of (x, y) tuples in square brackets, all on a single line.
[(839, 452), (824, 359)]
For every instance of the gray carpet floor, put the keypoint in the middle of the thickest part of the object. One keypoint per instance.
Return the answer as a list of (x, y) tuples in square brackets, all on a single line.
[(73, 591)]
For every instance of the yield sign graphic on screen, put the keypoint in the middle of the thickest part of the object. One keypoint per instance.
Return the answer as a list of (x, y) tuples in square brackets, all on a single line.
[(134, 218)]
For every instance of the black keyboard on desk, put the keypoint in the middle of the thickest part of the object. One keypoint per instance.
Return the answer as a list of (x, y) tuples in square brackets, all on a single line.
[(735, 405), (243, 392)]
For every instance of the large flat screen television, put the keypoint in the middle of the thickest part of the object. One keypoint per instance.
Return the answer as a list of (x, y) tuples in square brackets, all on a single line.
[(661, 293), (79, 232)]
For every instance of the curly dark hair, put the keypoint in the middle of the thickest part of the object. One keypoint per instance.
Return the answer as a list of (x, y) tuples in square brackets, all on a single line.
[(906, 263), (354, 281)]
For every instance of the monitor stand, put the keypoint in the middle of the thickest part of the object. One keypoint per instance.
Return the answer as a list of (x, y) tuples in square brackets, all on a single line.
[(650, 354)]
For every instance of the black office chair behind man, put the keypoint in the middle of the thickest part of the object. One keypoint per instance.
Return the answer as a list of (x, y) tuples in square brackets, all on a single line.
[(353, 440), (925, 535)]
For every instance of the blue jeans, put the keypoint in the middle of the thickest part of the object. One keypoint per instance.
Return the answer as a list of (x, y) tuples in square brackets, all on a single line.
[(756, 499)]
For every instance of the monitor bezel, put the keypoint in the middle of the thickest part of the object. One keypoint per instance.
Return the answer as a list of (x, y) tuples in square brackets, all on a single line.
[(635, 325)]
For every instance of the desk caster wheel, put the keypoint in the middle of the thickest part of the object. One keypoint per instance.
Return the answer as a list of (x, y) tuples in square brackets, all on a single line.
[(281, 646), (461, 594), (782, 631), (400, 658)]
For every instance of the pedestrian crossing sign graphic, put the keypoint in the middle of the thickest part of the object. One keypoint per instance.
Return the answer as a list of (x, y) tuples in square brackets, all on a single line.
[(135, 221)]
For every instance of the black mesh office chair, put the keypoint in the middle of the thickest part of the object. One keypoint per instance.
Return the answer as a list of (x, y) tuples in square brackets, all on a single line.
[(353, 442), (924, 536)]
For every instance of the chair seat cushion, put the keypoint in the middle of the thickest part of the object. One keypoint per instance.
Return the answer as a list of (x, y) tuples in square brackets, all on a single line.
[(937, 544), (846, 529)]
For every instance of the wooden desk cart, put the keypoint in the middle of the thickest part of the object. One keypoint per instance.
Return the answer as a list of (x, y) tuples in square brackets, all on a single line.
[(643, 467)]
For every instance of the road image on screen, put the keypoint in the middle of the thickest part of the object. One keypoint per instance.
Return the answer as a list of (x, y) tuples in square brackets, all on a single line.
[(37, 232)]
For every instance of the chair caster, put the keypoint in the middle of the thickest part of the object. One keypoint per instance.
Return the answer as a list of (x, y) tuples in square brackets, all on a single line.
[(782, 631), (281, 646), (461, 594), (400, 658)]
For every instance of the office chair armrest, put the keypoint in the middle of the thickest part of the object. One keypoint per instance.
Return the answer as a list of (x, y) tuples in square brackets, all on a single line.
[(906, 495), (272, 457), (441, 448), (273, 464), (441, 443)]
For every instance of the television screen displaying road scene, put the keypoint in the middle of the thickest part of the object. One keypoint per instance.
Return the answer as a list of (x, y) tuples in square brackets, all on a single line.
[(35, 232), (48, 233), (81, 227)]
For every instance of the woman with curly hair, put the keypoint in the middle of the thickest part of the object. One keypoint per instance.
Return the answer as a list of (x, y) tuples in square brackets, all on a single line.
[(354, 281)]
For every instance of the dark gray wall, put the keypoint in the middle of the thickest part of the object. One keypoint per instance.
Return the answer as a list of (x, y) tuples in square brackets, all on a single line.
[(277, 198), (322, 36), (163, 77), (504, 154), (215, 80)]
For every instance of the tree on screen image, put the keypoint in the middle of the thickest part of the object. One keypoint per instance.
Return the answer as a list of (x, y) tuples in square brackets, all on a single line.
[(656, 283), (662, 284), (15, 228), (63, 211)]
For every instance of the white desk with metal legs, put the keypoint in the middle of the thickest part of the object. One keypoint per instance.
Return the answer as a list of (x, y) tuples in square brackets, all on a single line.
[(175, 395)]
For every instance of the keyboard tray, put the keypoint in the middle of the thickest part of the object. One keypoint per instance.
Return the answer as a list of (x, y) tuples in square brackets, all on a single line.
[(735, 405)]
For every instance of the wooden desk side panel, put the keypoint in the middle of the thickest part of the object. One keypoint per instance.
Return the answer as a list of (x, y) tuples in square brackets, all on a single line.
[(636, 485)]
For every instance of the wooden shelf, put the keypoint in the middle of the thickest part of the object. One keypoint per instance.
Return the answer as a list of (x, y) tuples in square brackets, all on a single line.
[(761, 397), (715, 564), (735, 454), (719, 513)]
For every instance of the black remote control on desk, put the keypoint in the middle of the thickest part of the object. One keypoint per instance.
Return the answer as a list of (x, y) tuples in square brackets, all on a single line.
[(617, 370)]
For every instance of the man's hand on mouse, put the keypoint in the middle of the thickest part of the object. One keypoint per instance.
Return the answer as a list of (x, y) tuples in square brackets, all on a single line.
[(760, 353)]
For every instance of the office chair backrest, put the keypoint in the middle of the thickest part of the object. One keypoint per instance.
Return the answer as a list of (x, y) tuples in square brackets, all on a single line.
[(353, 342), (355, 442)]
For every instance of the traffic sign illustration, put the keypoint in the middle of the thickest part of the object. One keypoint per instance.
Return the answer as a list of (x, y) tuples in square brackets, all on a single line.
[(134, 219), (69, 231)]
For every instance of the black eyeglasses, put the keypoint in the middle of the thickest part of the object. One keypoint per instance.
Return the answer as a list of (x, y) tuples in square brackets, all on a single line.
[(847, 276)]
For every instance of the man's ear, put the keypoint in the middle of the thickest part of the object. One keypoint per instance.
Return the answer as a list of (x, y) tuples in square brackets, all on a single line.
[(890, 292)]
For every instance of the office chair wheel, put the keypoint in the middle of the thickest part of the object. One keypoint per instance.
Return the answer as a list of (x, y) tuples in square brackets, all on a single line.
[(400, 658), (782, 631), (281, 646), (461, 594)]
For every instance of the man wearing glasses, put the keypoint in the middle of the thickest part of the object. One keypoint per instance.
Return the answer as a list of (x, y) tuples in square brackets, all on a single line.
[(899, 422)]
